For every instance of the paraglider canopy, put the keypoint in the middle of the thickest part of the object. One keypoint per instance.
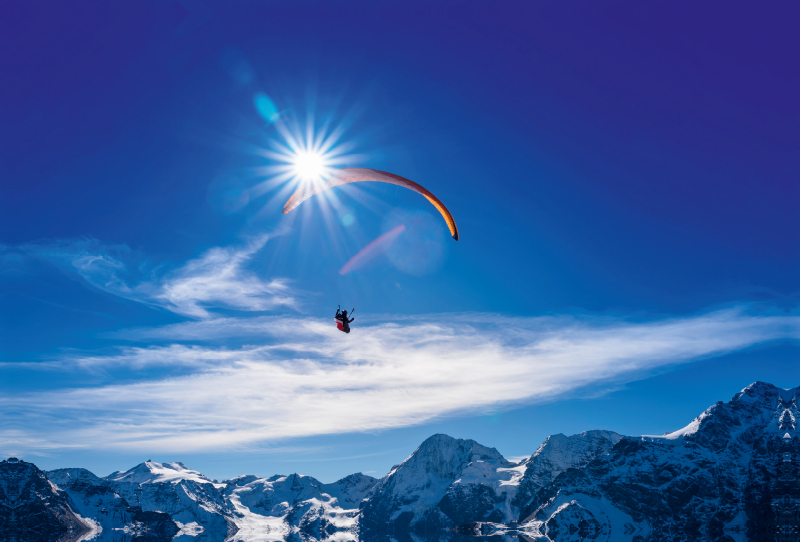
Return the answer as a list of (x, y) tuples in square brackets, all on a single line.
[(356, 175)]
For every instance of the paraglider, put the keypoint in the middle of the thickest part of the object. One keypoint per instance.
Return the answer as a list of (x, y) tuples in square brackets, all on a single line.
[(342, 322), (356, 175)]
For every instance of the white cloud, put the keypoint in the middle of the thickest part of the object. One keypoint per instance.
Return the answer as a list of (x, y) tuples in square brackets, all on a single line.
[(219, 278), (305, 378)]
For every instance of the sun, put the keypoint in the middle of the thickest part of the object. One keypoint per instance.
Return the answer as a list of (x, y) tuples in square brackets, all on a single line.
[(303, 155), (309, 166)]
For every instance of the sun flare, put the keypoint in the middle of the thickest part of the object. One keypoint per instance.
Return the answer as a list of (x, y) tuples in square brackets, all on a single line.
[(306, 154), (309, 166)]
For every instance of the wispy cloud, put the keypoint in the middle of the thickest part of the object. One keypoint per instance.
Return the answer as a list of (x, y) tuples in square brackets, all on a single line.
[(219, 278), (305, 378)]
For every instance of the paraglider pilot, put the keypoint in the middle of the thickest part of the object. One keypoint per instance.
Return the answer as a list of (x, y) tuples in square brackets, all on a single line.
[(342, 323)]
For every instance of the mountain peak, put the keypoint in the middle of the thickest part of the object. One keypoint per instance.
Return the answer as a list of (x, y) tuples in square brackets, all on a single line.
[(152, 472), (766, 390), (760, 406), (445, 444), (444, 456), (415, 487), (71, 475)]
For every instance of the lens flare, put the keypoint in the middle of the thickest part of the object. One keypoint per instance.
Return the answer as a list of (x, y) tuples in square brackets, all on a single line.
[(266, 107), (373, 249)]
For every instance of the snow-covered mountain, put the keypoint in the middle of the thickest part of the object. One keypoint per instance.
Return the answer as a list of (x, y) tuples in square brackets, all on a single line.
[(112, 516), (732, 474), (168, 501), (450, 482), (443, 483), (273, 508), (195, 503)]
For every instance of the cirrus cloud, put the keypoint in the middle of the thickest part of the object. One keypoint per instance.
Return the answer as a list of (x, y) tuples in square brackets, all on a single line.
[(218, 279), (301, 377)]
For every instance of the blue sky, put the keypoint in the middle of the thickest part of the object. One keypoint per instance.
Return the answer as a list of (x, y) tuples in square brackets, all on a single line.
[(624, 179)]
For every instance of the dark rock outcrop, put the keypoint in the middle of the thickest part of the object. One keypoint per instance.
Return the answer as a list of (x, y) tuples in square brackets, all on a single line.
[(34, 510)]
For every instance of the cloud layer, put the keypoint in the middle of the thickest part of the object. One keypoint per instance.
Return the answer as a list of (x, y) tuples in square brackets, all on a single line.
[(301, 377)]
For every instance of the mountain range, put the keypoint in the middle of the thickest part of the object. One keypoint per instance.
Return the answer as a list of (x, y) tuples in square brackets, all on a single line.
[(729, 475)]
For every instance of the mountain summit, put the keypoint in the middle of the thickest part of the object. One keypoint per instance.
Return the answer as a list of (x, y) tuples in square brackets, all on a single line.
[(151, 472)]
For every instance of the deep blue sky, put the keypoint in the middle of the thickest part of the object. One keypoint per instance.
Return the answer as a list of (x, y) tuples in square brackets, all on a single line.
[(617, 163)]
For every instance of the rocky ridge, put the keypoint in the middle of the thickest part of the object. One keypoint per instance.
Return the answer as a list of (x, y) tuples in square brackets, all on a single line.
[(33, 509), (730, 475)]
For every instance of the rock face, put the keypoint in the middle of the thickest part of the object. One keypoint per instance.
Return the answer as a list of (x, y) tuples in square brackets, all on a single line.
[(557, 454), (34, 510)]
